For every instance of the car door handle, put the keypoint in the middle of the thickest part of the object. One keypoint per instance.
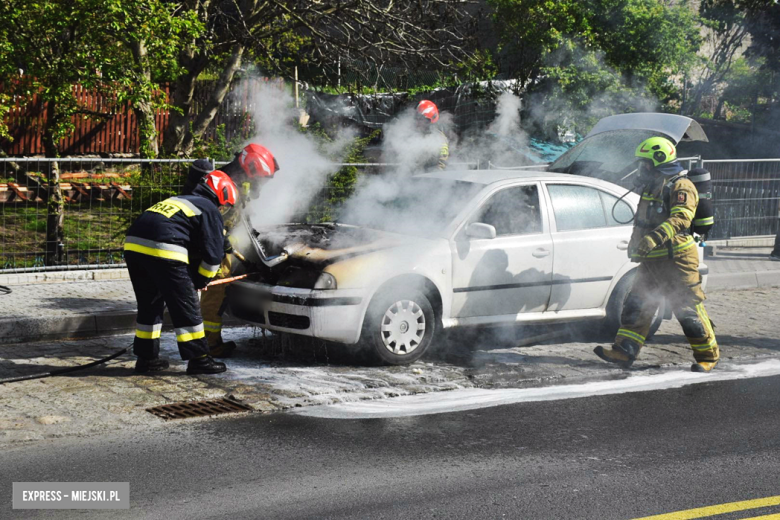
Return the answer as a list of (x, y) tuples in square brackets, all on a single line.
[(623, 245), (541, 253)]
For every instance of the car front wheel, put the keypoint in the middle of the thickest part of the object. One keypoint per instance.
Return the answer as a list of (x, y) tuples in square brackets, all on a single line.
[(399, 327)]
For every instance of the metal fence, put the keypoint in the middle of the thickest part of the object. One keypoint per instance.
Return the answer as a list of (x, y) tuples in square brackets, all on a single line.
[(745, 196), (101, 197)]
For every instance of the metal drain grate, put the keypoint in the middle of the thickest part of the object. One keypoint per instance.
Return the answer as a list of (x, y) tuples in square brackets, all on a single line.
[(189, 409)]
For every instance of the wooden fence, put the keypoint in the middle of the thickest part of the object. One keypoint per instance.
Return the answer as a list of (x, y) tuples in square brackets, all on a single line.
[(117, 131)]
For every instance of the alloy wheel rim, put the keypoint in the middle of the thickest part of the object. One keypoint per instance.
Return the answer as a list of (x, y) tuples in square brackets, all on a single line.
[(403, 327)]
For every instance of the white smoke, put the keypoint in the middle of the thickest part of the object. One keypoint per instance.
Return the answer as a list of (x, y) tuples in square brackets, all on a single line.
[(303, 165), (503, 143), (507, 122), (410, 148)]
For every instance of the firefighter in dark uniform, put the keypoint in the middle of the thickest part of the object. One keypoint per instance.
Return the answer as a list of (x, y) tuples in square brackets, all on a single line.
[(159, 248), (427, 117), (663, 244), (249, 170)]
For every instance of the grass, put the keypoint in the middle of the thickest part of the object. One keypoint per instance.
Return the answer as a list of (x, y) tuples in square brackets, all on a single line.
[(92, 235)]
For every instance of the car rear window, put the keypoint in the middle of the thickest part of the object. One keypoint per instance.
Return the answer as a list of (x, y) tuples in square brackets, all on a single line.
[(581, 207)]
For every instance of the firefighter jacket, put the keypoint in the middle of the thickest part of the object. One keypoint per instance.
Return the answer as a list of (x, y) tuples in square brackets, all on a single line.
[(180, 228), (665, 212)]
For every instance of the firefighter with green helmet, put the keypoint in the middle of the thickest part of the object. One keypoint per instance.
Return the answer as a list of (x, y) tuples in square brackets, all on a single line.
[(662, 242)]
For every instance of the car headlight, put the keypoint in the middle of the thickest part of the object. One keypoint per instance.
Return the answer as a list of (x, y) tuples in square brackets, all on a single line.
[(325, 281)]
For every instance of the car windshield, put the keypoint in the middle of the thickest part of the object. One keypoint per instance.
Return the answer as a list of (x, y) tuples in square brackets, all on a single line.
[(419, 206), (608, 156)]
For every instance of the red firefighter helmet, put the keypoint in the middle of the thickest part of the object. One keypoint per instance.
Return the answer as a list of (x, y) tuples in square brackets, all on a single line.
[(223, 187), (257, 161), (429, 110)]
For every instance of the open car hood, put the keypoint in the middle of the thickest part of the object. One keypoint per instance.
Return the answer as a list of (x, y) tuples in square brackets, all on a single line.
[(678, 128)]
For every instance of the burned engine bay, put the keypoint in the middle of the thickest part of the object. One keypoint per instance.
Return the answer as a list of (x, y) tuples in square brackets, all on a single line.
[(294, 255)]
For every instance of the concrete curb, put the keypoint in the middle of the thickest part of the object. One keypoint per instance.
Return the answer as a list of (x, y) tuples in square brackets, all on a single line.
[(752, 280), (27, 329), (757, 241)]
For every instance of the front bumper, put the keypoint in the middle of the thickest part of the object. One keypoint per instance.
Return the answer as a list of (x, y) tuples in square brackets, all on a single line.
[(334, 315)]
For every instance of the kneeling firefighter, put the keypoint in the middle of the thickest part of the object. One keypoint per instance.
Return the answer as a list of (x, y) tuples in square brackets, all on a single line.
[(663, 243), (159, 247), (250, 169)]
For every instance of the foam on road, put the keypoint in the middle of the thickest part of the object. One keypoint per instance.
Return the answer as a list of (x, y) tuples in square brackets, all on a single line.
[(470, 399)]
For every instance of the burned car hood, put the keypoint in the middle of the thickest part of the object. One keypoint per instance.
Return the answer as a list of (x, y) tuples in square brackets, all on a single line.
[(325, 244)]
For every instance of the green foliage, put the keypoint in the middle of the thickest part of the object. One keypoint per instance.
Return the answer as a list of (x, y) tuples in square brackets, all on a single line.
[(219, 147), (341, 185), (763, 21), (122, 47), (594, 57)]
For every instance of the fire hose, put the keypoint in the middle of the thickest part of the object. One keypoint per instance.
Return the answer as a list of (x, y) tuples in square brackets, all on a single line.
[(67, 370)]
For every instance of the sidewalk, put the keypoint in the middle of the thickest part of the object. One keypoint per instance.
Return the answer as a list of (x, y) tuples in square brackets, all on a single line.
[(76, 304)]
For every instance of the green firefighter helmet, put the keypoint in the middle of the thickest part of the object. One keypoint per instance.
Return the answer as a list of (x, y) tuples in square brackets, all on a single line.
[(657, 149)]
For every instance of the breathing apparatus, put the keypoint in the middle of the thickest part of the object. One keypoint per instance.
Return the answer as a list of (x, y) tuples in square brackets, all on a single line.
[(652, 154)]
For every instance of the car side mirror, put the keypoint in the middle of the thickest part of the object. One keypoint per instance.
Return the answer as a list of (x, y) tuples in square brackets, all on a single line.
[(480, 230)]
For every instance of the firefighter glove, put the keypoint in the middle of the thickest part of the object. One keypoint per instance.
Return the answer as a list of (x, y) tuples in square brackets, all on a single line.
[(227, 245), (646, 245)]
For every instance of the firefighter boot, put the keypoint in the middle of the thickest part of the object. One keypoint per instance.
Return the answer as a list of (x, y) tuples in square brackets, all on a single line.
[(143, 366), (222, 350), (614, 355), (703, 366), (205, 365)]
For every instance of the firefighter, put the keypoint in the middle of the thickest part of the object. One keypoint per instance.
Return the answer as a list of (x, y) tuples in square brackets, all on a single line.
[(159, 248), (251, 167), (427, 116), (663, 244)]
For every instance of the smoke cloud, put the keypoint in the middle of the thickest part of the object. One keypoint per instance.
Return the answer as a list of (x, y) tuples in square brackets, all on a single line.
[(413, 148), (304, 163)]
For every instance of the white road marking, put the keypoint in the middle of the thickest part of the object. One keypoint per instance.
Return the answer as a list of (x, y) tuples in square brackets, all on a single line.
[(470, 399)]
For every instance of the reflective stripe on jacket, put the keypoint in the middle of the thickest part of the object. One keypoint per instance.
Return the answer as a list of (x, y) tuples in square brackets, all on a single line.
[(179, 228)]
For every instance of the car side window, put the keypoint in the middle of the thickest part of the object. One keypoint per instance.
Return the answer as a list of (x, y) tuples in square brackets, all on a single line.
[(621, 216), (576, 207), (513, 211)]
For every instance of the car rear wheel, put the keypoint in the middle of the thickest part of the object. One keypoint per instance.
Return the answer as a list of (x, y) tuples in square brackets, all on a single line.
[(399, 327), (615, 309)]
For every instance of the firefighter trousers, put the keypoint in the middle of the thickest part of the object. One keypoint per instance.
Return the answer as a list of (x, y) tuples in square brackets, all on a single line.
[(159, 283), (677, 280), (212, 304)]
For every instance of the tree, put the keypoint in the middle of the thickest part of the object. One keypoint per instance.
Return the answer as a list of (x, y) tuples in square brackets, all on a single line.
[(47, 48), (277, 36), (725, 32), (607, 55), (740, 74), (763, 19), (152, 34)]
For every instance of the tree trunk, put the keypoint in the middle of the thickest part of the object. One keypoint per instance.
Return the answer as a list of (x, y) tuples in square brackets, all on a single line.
[(55, 233), (147, 129), (217, 96), (143, 109), (182, 94)]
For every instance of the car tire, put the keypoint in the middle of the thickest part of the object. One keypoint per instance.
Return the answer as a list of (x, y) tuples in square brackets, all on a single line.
[(611, 323), (399, 327)]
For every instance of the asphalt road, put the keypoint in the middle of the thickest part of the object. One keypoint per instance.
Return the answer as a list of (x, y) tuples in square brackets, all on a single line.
[(619, 456)]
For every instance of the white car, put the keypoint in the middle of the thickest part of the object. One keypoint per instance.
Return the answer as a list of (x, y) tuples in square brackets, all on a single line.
[(444, 250)]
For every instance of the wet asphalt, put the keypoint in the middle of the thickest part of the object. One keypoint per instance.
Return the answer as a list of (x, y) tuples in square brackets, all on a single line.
[(619, 456)]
